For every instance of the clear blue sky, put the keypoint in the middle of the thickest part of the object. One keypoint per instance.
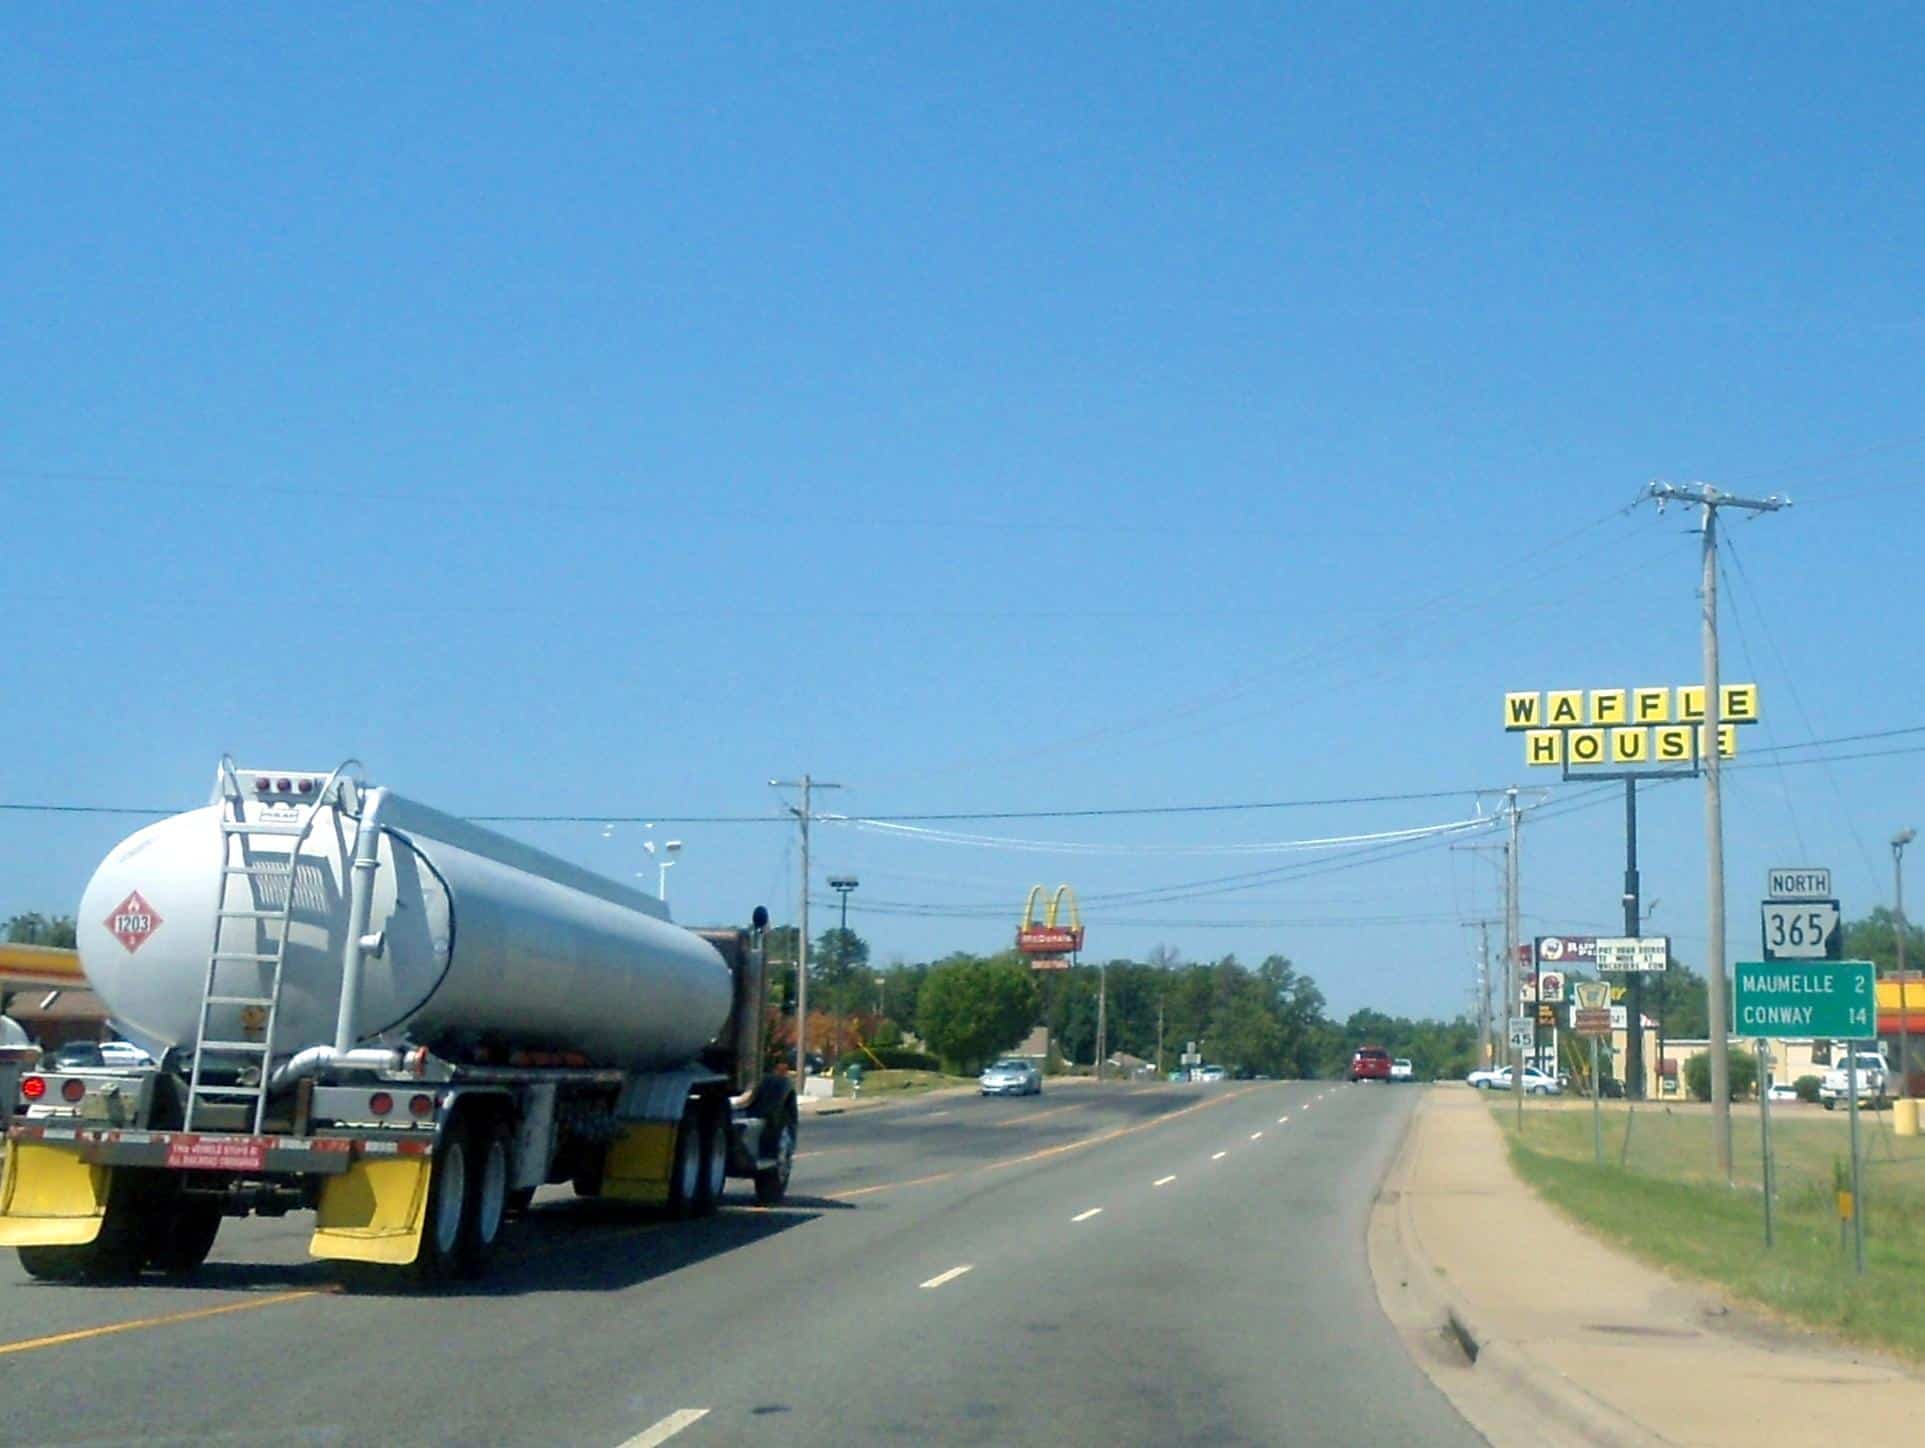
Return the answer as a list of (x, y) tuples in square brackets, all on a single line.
[(602, 410)]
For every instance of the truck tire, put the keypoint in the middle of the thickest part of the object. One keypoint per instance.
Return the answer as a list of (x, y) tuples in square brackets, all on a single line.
[(685, 1171), (113, 1256), (487, 1198), (1831, 1105), (183, 1235), (439, 1258), (772, 1182), (715, 1163)]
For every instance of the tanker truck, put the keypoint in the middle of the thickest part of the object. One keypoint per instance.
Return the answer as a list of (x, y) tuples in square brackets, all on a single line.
[(395, 1019)]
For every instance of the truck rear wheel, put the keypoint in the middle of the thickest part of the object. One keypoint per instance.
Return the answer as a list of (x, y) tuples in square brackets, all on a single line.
[(113, 1256), (685, 1173), (183, 1236), (715, 1164), (772, 1181), (487, 1201), (439, 1257)]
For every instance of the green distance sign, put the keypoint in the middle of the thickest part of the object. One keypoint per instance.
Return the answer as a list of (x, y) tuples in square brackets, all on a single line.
[(1806, 998)]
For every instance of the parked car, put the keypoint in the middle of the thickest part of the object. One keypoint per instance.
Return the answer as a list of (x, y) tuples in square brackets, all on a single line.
[(1402, 1070), (1874, 1082), (1211, 1073), (95, 1055), (1536, 1082), (1371, 1063), (1610, 1088), (1486, 1077), (1782, 1091), (1011, 1077)]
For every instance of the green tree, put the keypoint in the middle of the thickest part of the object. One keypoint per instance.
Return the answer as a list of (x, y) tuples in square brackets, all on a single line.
[(1744, 1075), (970, 1009), (34, 928), (1875, 938), (839, 969)]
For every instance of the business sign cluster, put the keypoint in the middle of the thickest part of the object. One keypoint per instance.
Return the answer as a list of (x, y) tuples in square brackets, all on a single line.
[(1572, 728)]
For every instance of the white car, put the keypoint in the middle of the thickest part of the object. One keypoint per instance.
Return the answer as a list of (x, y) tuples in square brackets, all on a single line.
[(1782, 1091), (124, 1053), (1402, 1070), (1536, 1082)]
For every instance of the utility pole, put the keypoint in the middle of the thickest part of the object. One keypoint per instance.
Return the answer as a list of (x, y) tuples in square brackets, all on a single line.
[(1484, 993), (1102, 1016), (1515, 985), (1159, 1039), (1633, 926), (1899, 841), (808, 786), (1708, 500)]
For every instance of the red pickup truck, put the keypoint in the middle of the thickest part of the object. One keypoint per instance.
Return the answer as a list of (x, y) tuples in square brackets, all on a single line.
[(1372, 1063)]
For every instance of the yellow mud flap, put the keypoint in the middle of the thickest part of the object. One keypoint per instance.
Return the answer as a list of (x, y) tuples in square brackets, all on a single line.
[(638, 1163), (373, 1211), (50, 1197)]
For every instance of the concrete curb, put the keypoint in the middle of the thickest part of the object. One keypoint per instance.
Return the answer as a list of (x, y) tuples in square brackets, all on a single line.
[(1492, 1357)]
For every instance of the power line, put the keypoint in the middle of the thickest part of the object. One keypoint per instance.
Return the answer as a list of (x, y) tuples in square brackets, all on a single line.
[(1116, 812)]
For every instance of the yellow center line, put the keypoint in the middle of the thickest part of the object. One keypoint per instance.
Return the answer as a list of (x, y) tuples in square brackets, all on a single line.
[(32, 1344), (1042, 1155), (1041, 1115)]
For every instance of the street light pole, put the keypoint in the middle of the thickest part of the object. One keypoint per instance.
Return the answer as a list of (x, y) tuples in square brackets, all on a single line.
[(842, 885), (1899, 841)]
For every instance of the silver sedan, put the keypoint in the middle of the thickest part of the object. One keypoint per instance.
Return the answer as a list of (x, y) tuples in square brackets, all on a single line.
[(1012, 1078)]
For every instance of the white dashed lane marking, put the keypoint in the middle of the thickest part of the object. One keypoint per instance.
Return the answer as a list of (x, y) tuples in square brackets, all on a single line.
[(1163, 1181), (1219, 1156), (1085, 1216), (950, 1276), (661, 1432), (1256, 1136)]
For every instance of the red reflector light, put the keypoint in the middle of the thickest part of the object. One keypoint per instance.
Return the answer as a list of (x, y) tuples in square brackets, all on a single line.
[(381, 1103), (33, 1087), (73, 1089), (422, 1105)]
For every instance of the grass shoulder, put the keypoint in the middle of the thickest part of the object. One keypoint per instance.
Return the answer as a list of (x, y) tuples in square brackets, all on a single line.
[(1659, 1197)]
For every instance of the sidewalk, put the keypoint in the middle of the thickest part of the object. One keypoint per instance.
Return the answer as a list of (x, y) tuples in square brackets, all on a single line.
[(1601, 1347)]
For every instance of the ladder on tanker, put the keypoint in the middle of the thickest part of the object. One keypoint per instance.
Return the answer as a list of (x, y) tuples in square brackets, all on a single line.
[(252, 1059)]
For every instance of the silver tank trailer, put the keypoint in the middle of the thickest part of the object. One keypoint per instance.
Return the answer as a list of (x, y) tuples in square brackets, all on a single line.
[(483, 940)]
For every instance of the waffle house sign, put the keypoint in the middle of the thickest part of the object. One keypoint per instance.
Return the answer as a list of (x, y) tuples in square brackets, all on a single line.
[(1572, 728)]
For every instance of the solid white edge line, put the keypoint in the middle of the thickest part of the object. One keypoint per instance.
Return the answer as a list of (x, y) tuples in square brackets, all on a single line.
[(674, 1423), (1163, 1181), (1085, 1216), (950, 1276), (1219, 1156)]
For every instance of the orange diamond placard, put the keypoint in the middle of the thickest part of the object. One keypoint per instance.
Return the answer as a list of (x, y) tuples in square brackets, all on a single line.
[(133, 921)]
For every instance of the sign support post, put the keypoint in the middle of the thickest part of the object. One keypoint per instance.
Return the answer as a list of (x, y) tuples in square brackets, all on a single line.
[(1597, 1110), (1764, 1130), (1857, 1183)]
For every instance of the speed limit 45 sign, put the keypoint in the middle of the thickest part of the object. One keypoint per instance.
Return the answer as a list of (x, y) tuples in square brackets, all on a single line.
[(1802, 930)]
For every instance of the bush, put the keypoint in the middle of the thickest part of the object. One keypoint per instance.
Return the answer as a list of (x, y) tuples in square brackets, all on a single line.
[(1807, 1087), (1743, 1066), (892, 1058)]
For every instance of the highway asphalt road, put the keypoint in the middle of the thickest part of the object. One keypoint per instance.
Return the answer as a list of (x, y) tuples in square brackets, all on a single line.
[(1097, 1265)]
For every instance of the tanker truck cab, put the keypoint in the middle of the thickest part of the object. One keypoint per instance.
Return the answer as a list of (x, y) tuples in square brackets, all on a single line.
[(395, 1019)]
